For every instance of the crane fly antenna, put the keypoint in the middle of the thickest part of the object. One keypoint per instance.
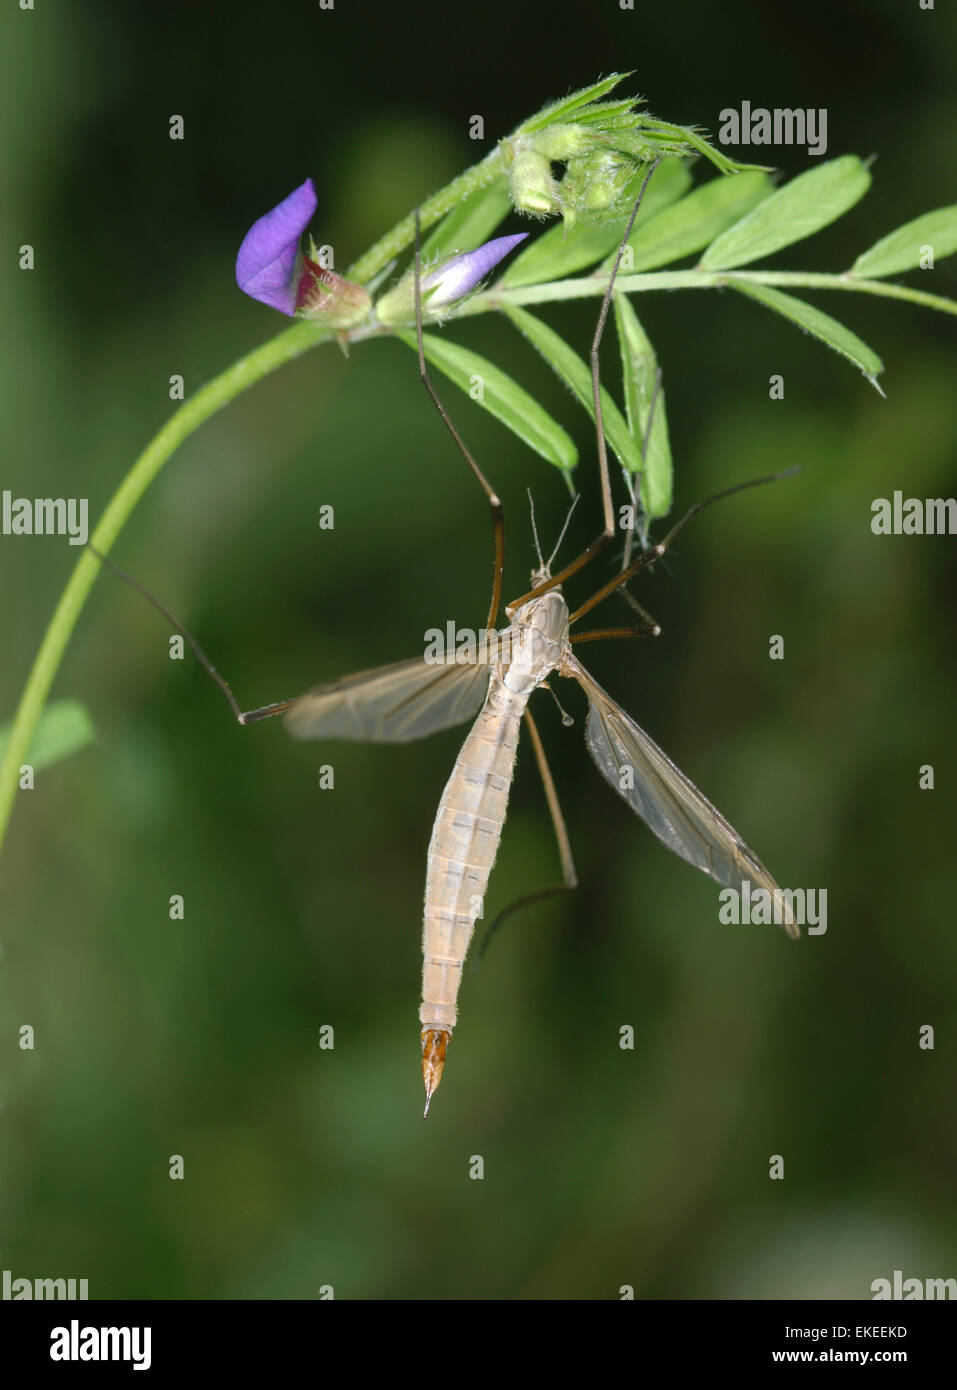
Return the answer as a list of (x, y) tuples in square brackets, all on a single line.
[(575, 500), (242, 716), (538, 548)]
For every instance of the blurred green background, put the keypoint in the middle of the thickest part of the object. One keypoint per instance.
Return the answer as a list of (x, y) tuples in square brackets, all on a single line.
[(603, 1167)]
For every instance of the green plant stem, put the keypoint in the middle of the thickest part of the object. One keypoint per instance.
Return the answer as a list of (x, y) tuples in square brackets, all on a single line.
[(403, 233), (193, 413), (591, 286), (847, 281), (588, 286)]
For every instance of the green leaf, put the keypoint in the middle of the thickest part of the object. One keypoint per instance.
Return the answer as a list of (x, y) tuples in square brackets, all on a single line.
[(820, 325), (610, 115), (685, 140), (639, 374), (901, 250), (798, 210), (556, 254), (470, 223), (695, 221), (559, 110), (574, 372), (501, 397), (64, 728)]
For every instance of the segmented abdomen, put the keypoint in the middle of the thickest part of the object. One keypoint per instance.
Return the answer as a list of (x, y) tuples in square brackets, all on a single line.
[(464, 843)]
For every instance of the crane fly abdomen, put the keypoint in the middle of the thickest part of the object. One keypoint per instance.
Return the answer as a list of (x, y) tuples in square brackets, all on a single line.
[(464, 844), (471, 815), (465, 840)]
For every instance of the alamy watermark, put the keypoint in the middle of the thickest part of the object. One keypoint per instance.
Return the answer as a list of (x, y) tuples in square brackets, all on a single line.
[(467, 646), (45, 516), (781, 125), (20, 1289), (900, 1288), (76, 1343), (914, 516), (761, 907)]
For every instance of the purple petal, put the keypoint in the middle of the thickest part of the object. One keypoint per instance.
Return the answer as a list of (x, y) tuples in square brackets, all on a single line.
[(266, 264), (462, 273)]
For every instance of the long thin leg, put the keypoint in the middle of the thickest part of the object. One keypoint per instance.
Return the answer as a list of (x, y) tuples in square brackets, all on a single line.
[(243, 716), (608, 530), (569, 875), (498, 517), (632, 602), (634, 483), (599, 634), (636, 479), (656, 551)]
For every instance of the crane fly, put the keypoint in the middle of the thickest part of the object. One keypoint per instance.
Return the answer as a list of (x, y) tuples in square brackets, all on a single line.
[(492, 684)]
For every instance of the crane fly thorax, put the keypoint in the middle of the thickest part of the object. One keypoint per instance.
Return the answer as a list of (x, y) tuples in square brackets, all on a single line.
[(538, 642)]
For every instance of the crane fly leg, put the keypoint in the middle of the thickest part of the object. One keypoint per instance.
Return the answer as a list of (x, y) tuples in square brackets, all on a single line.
[(250, 716), (608, 530), (655, 553), (494, 501), (636, 479), (598, 634)]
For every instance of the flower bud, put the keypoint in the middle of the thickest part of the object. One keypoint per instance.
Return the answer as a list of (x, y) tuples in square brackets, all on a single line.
[(564, 141), (597, 185), (532, 184), (446, 283)]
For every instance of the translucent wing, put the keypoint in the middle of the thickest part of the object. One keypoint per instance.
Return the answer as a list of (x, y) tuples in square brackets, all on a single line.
[(667, 802), (392, 704)]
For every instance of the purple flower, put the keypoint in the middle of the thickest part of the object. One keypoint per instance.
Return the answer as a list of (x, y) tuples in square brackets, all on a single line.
[(267, 267), (456, 277), (445, 283), (271, 268)]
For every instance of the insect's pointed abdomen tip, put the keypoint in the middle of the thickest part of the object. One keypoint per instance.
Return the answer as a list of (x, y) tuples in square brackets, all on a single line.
[(434, 1043)]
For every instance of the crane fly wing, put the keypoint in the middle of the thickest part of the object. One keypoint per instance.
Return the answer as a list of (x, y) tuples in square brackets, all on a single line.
[(668, 803), (392, 704)]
